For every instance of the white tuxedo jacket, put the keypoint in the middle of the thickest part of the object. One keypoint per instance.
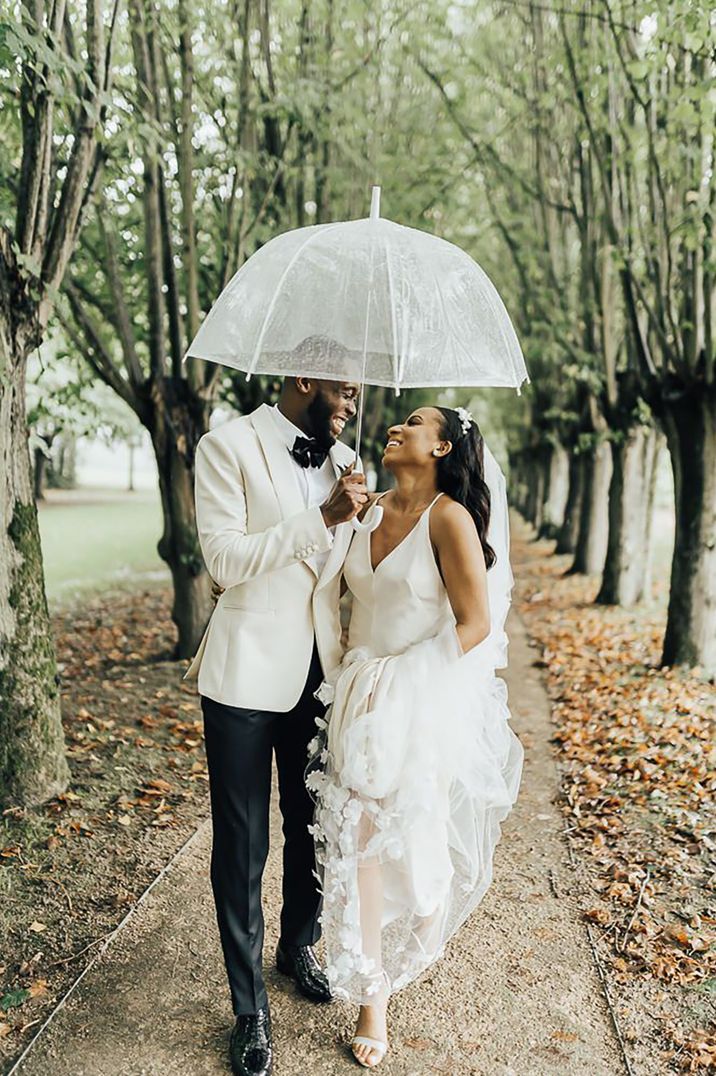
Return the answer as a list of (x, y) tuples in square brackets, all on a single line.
[(256, 535)]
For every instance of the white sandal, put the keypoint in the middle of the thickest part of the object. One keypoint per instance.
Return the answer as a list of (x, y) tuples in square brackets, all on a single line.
[(378, 1047)]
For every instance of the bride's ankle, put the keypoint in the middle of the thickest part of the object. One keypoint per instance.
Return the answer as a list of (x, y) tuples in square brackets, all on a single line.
[(374, 1012)]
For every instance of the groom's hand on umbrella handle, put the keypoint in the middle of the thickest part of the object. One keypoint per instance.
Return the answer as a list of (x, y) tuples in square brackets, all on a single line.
[(216, 591), (346, 499)]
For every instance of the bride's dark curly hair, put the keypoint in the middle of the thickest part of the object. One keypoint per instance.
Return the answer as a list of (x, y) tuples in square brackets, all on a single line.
[(461, 474)]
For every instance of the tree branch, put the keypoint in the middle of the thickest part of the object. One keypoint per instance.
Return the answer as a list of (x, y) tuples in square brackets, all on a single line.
[(121, 319), (484, 149), (36, 113), (66, 217), (185, 158), (151, 204), (626, 276), (94, 348)]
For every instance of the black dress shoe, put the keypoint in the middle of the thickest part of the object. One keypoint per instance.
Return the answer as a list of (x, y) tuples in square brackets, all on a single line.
[(250, 1047), (299, 962)]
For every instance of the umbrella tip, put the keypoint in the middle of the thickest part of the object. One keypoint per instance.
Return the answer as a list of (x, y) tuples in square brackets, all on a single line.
[(375, 204)]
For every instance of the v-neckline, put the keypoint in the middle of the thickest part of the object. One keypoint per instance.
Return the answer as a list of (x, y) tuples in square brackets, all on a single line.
[(404, 539)]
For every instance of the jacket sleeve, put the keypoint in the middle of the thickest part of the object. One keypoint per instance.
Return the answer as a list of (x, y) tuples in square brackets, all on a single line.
[(233, 556)]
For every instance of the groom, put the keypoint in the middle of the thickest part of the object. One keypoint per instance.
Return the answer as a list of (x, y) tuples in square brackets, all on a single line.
[(274, 496)]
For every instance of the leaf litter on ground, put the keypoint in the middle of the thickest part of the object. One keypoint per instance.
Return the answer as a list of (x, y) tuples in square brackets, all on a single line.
[(71, 869), (637, 751)]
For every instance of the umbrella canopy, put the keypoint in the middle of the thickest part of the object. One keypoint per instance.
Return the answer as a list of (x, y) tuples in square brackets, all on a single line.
[(366, 300)]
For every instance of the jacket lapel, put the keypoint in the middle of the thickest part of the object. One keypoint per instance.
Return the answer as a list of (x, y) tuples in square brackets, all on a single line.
[(337, 468), (288, 492), (344, 531), (281, 467)]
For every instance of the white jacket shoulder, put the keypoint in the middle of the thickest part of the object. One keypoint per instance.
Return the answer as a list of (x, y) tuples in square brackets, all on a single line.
[(231, 434)]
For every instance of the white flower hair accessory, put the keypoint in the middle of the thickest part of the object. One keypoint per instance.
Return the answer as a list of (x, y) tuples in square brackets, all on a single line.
[(465, 417)]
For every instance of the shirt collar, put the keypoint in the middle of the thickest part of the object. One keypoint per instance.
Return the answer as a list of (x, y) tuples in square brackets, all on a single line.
[(285, 427)]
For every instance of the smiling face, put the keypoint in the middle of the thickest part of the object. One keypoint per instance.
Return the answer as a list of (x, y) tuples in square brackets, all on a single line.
[(417, 441), (334, 404)]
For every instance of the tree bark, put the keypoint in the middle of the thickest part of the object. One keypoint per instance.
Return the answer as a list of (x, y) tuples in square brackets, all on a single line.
[(186, 175), (568, 532), (690, 426), (32, 762), (32, 750), (631, 504), (591, 548), (535, 490), (63, 472), (519, 485), (556, 493), (177, 427), (39, 474)]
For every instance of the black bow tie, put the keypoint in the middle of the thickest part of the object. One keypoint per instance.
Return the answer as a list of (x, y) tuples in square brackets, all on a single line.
[(308, 453)]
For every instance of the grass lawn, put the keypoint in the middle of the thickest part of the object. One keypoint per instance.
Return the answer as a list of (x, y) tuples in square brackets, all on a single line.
[(93, 540)]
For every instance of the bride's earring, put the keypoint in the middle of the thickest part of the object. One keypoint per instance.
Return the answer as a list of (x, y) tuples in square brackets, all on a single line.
[(436, 452)]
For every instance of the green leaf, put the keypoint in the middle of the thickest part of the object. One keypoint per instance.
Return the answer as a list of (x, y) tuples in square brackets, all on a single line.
[(13, 999), (10, 48)]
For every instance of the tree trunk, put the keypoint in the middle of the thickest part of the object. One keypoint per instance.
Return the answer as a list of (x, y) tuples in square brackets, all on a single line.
[(32, 750), (690, 426), (130, 482), (178, 427), (631, 504), (591, 549), (568, 532), (557, 491), (63, 475), (535, 490), (47, 213), (521, 485), (39, 474)]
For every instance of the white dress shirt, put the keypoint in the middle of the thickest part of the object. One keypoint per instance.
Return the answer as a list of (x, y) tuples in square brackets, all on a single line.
[(315, 482)]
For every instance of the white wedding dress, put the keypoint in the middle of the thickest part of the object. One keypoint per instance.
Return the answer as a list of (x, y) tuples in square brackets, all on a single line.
[(415, 766)]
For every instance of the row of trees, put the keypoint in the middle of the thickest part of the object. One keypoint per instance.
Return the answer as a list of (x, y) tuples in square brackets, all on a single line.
[(596, 159), (155, 146)]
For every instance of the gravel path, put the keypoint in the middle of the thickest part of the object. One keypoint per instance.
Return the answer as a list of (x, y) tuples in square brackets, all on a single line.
[(515, 995)]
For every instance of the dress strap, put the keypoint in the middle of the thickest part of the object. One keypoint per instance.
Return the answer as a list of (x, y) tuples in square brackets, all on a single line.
[(425, 518), (425, 512)]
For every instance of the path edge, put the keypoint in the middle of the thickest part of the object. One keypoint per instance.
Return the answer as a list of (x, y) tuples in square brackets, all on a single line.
[(183, 848)]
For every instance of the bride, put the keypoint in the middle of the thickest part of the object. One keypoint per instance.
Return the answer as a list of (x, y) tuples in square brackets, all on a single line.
[(415, 765)]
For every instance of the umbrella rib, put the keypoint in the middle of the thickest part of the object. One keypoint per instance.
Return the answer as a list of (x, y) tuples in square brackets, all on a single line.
[(498, 321), (320, 230), (443, 307), (398, 370)]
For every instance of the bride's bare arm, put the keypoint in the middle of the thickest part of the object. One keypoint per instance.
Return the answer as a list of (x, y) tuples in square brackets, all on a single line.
[(462, 566)]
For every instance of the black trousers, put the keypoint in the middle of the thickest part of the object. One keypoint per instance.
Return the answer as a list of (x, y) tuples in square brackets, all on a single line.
[(239, 748)]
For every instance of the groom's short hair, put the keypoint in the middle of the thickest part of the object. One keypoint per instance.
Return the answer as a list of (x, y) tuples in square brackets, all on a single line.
[(330, 356)]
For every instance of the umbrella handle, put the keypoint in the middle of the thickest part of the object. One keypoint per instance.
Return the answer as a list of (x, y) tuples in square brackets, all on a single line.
[(372, 525)]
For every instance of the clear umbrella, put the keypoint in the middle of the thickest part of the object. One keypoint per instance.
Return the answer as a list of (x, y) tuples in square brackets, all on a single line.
[(364, 300)]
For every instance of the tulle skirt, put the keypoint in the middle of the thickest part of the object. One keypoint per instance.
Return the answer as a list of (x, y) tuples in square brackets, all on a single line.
[(413, 770)]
